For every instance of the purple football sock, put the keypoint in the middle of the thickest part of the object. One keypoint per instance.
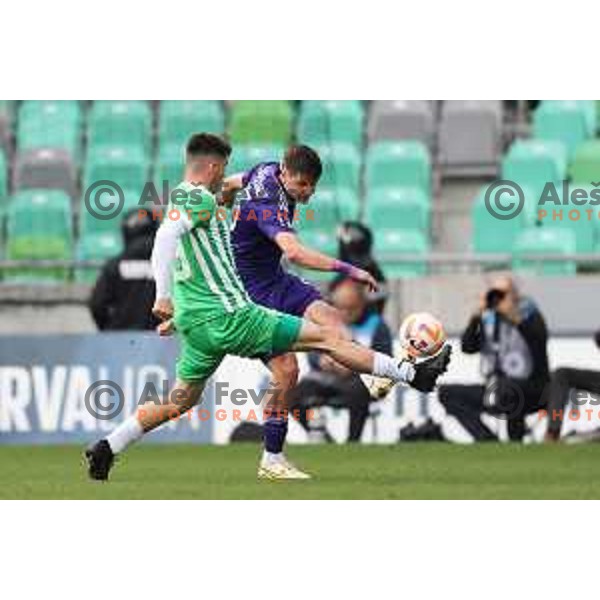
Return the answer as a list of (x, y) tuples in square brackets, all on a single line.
[(274, 433)]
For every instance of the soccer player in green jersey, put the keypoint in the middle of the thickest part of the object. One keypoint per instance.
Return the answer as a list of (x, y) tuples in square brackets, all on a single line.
[(214, 315)]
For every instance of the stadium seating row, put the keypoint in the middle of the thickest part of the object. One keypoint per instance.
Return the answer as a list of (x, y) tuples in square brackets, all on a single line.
[(469, 131), (130, 143), (49, 140), (563, 147), (40, 224), (119, 142)]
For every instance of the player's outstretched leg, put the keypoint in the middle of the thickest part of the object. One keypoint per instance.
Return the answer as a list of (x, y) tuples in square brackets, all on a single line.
[(101, 455), (322, 313), (422, 376)]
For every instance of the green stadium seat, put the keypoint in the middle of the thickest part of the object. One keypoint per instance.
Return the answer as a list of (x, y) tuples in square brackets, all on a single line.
[(323, 240), (97, 246), (584, 230), (128, 166), (261, 121), (39, 228), (169, 166), (565, 121), (67, 138), (90, 224), (40, 212), (492, 235), (540, 240), (396, 164), (50, 124), (589, 107), (573, 217), (120, 122), (391, 244), (246, 156), (36, 249), (179, 119), (3, 180), (341, 166), (533, 163), (327, 209), (330, 121), (585, 167), (398, 208), (62, 111)]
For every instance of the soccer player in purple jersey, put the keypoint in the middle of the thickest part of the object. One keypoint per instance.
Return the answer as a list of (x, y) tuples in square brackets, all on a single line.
[(262, 233)]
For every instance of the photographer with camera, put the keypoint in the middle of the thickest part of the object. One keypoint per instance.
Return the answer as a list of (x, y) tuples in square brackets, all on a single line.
[(510, 334)]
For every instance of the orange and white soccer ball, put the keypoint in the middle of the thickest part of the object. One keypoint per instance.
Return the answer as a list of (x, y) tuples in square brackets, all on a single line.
[(422, 335)]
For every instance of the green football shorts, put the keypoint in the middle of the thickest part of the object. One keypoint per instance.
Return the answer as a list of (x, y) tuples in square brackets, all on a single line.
[(249, 332)]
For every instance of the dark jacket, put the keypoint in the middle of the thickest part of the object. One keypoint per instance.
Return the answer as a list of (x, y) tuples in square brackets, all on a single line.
[(532, 329), (124, 292)]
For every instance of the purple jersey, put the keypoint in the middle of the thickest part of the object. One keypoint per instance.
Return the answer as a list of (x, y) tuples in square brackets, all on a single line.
[(263, 210)]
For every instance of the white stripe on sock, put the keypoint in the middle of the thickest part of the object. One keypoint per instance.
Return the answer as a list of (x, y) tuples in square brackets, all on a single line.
[(386, 366), (125, 434)]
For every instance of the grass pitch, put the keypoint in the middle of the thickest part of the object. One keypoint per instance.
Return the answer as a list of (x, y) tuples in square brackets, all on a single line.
[(418, 471)]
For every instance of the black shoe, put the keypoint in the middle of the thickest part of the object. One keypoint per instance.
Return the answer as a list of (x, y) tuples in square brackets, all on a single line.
[(427, 432), (100, 459), (428, 371), (407, 433)]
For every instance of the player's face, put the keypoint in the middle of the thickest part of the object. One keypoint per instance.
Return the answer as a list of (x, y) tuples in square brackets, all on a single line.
[(505, 284), (299, 187)]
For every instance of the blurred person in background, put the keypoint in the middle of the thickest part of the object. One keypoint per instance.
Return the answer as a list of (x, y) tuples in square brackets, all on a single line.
[(509, 332), (562, 382), (355, 246), (329, 383), (124, 292)]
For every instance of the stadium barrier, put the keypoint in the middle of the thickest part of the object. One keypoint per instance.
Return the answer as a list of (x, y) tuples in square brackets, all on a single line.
[(44, 380), (45, 384)]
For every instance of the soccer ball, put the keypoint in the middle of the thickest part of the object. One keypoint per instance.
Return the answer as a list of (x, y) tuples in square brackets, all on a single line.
[(422, 335)]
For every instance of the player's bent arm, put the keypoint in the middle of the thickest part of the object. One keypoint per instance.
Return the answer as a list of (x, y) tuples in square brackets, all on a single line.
[(231, 186), (163, 256), (299, 254)]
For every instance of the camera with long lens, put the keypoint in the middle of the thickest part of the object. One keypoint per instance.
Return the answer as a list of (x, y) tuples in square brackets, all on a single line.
[(494, 397), (493, 298)]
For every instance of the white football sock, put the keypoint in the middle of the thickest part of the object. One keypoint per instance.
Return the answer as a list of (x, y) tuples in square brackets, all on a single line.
[(386, 366), (125, 434), (271, 457)]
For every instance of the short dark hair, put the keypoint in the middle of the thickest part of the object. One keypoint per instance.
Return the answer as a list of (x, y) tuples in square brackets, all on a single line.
[(303, 160), (207, 144)]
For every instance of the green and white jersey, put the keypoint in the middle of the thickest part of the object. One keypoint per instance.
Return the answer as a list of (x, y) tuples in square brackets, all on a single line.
[(206, 283)]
